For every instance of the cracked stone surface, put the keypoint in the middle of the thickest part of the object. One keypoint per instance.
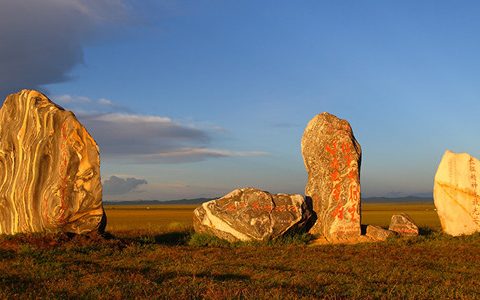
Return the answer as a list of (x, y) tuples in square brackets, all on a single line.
[(250, 214), (377, 233), (456, 193), (49, 169), (332, 157), (404, 225)]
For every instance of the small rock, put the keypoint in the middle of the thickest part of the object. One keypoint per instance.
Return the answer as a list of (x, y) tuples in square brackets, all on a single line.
[(404, 225), (332, 157), (377, 233), (456, 193), (250, 214)]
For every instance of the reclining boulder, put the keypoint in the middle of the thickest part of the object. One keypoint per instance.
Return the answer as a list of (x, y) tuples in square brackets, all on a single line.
[(250, 214)]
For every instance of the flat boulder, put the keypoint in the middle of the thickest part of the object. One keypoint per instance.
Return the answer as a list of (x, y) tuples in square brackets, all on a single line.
[(49, 169), (378, 233), (403, 224), (332, 157), (250, 214), (456, 193)]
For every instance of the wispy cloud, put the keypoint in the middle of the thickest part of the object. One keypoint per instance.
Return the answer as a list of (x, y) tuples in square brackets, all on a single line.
[(194, 154), (82, 105), (138, 138)]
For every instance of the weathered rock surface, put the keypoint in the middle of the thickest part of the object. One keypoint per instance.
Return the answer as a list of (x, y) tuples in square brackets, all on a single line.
[(332, 157), (404, 225), (249, 214), (49, 169), (456, 193), (377, 233)]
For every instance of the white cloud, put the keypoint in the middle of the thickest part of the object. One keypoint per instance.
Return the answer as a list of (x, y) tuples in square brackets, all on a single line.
[(131, 118), (104, 101), (69, 99)]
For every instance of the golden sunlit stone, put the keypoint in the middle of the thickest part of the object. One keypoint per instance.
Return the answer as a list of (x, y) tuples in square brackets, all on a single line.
[(456, 193), (49, 169), (332, 157), (249, 214)]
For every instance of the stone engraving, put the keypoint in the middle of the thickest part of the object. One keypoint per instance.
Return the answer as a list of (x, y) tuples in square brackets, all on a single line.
[(332, 157), (456, 193), (249, 214)]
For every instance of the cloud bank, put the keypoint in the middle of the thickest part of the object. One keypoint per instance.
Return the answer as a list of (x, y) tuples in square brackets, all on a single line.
[(41, 41), (145, 139), (119, 186)]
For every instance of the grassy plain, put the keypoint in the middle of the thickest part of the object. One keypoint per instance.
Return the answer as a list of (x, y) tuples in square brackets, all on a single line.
[(160, 217), (148, 255)]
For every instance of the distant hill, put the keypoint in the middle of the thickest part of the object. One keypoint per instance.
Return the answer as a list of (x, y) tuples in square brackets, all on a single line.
[(195, 201), (407, 199), (157, 202)]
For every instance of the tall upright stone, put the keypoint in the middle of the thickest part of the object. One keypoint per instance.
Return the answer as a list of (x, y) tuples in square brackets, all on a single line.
[(49, 169), (332, 157), (456, 193)]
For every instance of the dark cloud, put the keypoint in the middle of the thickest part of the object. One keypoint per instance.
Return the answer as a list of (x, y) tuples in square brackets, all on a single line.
[(119, 186), (41, 41)]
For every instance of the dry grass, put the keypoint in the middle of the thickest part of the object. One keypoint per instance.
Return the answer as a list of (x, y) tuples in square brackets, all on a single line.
[(160, 217), (157, 262), (150, 218), (423, 214)]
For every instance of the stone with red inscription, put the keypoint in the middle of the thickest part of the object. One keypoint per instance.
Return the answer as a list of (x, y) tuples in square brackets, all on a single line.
[(377, 233), (250, 214), (49, 169), (332, 157), (404, 225), (456, 193)]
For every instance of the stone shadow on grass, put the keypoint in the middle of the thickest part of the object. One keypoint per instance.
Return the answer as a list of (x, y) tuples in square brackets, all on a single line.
[(426, 231), (175, 238)]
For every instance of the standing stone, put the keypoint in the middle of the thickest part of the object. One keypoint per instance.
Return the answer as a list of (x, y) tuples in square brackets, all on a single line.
[(404, 225), (249, 214), (332, 158), (456, 193), (49, 169)]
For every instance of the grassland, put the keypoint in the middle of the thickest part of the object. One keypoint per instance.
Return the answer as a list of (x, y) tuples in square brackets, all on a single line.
[(156, 217), (152, 258)]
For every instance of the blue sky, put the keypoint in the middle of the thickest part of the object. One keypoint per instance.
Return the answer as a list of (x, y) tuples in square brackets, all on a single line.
[(196, 98)]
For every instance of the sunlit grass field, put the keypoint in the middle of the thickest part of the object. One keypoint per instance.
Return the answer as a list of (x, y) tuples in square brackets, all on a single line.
[(169, 217), (152, 253)]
